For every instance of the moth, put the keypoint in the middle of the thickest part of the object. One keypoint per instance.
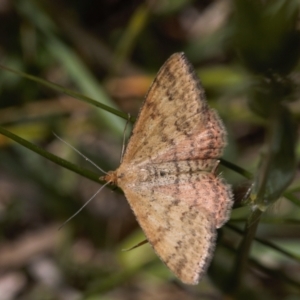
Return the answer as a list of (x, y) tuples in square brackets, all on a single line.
[(168, 171)]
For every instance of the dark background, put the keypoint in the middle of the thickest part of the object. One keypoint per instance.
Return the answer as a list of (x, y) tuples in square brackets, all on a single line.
[(246, 54)]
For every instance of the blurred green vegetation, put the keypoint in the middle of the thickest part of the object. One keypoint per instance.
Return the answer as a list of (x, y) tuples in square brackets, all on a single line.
[(246, 53)]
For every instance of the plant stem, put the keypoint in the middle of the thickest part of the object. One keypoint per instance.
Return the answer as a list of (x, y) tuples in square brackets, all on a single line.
[(243, 252)]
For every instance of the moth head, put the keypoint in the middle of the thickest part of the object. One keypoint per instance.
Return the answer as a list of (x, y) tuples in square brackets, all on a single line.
[(110, 177)]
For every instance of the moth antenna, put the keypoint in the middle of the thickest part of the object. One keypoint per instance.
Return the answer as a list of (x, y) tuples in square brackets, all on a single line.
[(124, 137), (83, 206), (81, 154)]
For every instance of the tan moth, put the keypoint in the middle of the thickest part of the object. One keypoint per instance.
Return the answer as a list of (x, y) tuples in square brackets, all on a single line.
[(168, 171)]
